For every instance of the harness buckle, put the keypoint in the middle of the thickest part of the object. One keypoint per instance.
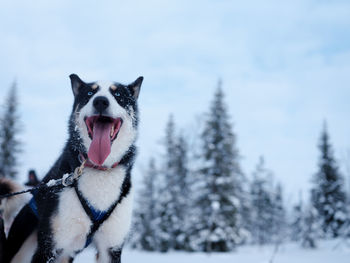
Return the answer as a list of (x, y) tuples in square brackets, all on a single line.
[(68, 179)]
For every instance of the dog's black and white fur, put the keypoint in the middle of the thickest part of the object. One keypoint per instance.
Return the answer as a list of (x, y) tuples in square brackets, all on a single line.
[(61, 228)]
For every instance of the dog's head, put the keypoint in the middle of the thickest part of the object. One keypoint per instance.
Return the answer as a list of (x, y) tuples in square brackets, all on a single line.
[(104, 119)]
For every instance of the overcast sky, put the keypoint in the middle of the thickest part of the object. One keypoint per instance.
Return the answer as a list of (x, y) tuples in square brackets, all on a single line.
[(285, 67)]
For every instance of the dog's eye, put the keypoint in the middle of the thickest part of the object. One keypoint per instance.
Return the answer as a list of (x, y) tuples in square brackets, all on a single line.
[(117, 94), (90, 93)]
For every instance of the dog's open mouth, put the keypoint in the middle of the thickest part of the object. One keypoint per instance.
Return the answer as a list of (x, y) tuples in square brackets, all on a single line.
[(103, 131)]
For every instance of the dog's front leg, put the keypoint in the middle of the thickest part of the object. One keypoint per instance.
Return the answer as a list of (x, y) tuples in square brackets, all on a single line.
[(112, 255), (44, 256), (45, 252), (115, 255)]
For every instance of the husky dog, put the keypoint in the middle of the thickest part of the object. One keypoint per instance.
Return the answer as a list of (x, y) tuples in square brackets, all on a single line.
[(59, 222)]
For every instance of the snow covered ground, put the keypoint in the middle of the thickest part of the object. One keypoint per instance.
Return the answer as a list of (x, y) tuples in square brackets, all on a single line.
[(336, 251)]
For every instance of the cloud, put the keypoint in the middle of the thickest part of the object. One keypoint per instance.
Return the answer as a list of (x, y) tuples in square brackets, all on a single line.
[(285, 67)]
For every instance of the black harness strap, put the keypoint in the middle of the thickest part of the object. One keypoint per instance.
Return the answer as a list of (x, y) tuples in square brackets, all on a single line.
[(97, 217)]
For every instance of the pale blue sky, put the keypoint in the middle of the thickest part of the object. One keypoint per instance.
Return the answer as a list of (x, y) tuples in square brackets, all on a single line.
[(285, 66)]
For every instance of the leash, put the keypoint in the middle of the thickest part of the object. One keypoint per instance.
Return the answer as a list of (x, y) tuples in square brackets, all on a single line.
[(66, 180)]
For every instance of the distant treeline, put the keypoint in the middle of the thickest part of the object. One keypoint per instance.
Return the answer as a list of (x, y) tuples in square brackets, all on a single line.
[(195, 197)]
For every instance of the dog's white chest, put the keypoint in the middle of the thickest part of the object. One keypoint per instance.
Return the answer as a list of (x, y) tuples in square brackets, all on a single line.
[(101, 189), (71, 224)]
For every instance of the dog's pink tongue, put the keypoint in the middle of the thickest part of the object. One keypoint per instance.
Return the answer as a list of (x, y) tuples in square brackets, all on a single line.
[(100, 146)]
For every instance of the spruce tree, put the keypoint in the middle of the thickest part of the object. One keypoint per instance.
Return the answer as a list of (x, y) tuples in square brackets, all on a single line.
[(278, 221), (180, 190), (218, 187), (296, 221), (166, 207), (311, 228), (328, 196), (9, 129), (262, 209), (170, 211), (145, 216)]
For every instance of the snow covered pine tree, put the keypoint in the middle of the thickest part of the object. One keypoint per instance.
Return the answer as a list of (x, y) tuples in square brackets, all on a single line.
[(172, 202), (328, 195), (181, 192), (261, 205), (311, 228), (297, 217), (278, 221), (218, 188), (145, 217), (9, 128)]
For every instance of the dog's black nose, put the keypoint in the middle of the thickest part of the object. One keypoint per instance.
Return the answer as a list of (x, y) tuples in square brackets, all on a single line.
[(101, 104)]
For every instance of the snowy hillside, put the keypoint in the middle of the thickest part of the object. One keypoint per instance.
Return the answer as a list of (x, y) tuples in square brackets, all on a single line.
[(328, 251)]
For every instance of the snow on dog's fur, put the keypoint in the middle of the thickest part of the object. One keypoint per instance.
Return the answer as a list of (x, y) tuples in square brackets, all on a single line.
[(102, 130)]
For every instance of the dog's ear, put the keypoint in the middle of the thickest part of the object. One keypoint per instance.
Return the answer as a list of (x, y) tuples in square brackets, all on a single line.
[(135, 87), (76, 82)]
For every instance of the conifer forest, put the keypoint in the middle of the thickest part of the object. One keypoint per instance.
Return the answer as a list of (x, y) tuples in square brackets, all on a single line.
[(196, 197)]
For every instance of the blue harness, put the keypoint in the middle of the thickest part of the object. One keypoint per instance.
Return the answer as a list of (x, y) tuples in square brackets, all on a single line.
[(33, 205), (96, 216)]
